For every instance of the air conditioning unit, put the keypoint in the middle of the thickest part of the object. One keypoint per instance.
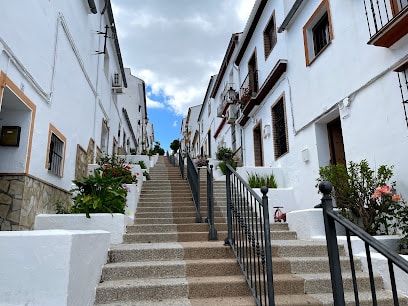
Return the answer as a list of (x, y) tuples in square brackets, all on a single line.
[(232, 113), (117, 83)]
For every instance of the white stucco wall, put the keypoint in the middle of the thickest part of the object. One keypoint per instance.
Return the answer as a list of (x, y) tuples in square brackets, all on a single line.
[(59, 71), (48, 268)]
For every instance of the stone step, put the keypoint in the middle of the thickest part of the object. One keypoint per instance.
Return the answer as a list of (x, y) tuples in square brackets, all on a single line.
[(172, 220), (170, 269), (160, 228), (316, 283), (170, 288)]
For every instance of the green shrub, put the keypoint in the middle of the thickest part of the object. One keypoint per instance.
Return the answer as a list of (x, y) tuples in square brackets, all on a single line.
[(354, 188), (256, 180), (99, 193), (220, 154), (223, 166), (142, 164)]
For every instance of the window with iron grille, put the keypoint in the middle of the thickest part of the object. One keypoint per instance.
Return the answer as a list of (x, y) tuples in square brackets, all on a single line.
[(269, 36), (280, 134), (317, 32), (403, 85), (56, 155), (321, 34)]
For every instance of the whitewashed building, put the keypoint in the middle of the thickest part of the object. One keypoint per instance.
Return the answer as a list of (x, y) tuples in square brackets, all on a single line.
[(319, 82), (61, 73), (134, 134)]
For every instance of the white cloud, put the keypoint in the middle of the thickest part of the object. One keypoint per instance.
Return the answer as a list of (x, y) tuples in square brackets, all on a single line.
[(154, 104), (176, 46), (175, 123)]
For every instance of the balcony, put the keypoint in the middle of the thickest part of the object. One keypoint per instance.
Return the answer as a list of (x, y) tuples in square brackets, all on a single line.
[(228, 96), (387, 21)]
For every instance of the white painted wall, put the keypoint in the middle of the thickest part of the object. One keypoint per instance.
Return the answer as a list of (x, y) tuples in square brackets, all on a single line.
[(48, 268), (60, 73)]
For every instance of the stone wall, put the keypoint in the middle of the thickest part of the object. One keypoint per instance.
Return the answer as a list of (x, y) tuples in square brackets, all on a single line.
[(22, 197)]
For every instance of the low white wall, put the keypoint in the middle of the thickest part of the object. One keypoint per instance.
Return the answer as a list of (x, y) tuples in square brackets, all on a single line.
[(132, 199), (137, 158), (53, 267), (115, 224)]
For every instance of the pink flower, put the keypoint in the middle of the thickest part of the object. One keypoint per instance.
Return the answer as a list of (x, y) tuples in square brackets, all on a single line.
[(376, 194), (385, 189), (396, 197)]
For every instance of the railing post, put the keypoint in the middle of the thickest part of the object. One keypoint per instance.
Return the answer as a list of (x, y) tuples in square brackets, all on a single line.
[(268, 250), (228, 240), (212, 234), (199, 219), (332, 247)]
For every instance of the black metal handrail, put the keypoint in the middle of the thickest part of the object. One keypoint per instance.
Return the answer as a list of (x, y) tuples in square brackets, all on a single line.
[(249, 235), (330, 217), (212, 234), (181, 164), (193, 177)]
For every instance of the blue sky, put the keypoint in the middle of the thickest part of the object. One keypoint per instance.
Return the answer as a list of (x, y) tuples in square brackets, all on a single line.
[(167, 124), (175, 47)]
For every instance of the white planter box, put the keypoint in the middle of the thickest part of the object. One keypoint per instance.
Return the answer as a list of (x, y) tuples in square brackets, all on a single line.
[(115, 224), (54, 267), (132, 199), (278, 197)]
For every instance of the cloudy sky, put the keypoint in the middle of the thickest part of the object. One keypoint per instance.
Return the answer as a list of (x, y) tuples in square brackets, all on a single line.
[(175, 46)]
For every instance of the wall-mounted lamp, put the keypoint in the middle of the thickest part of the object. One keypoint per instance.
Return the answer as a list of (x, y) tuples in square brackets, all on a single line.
[(267, 130), (232, 95)]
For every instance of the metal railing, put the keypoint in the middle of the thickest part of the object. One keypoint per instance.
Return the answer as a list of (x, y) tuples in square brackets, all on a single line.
[(171, 159), (249, 235), (212, 234), (193, 177), (249, 87), (330, 219), (181, 164), (380, 13)]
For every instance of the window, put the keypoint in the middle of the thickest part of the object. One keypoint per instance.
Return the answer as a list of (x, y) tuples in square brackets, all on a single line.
[(269, 36), (280, 134), (104, 136), (403, 86), (253, 74), (56, 151), (317, 32)]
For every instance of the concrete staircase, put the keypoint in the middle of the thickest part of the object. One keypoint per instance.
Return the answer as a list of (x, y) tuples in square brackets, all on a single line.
[(166, 258)]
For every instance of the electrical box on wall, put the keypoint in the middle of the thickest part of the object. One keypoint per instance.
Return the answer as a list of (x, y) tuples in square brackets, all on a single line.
[(10, 136)]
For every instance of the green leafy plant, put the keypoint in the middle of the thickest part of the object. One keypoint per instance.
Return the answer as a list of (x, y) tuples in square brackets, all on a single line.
[(223, 165), (147, 175), (353, 190), (142, 164), (222, 151), (256, 180), (99, 193)]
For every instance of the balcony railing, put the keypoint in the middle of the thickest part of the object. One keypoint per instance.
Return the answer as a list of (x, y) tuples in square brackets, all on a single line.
[(249, 88), (387, 21)]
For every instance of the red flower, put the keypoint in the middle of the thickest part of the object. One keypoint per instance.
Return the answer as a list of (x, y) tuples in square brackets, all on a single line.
[(107, 167)]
